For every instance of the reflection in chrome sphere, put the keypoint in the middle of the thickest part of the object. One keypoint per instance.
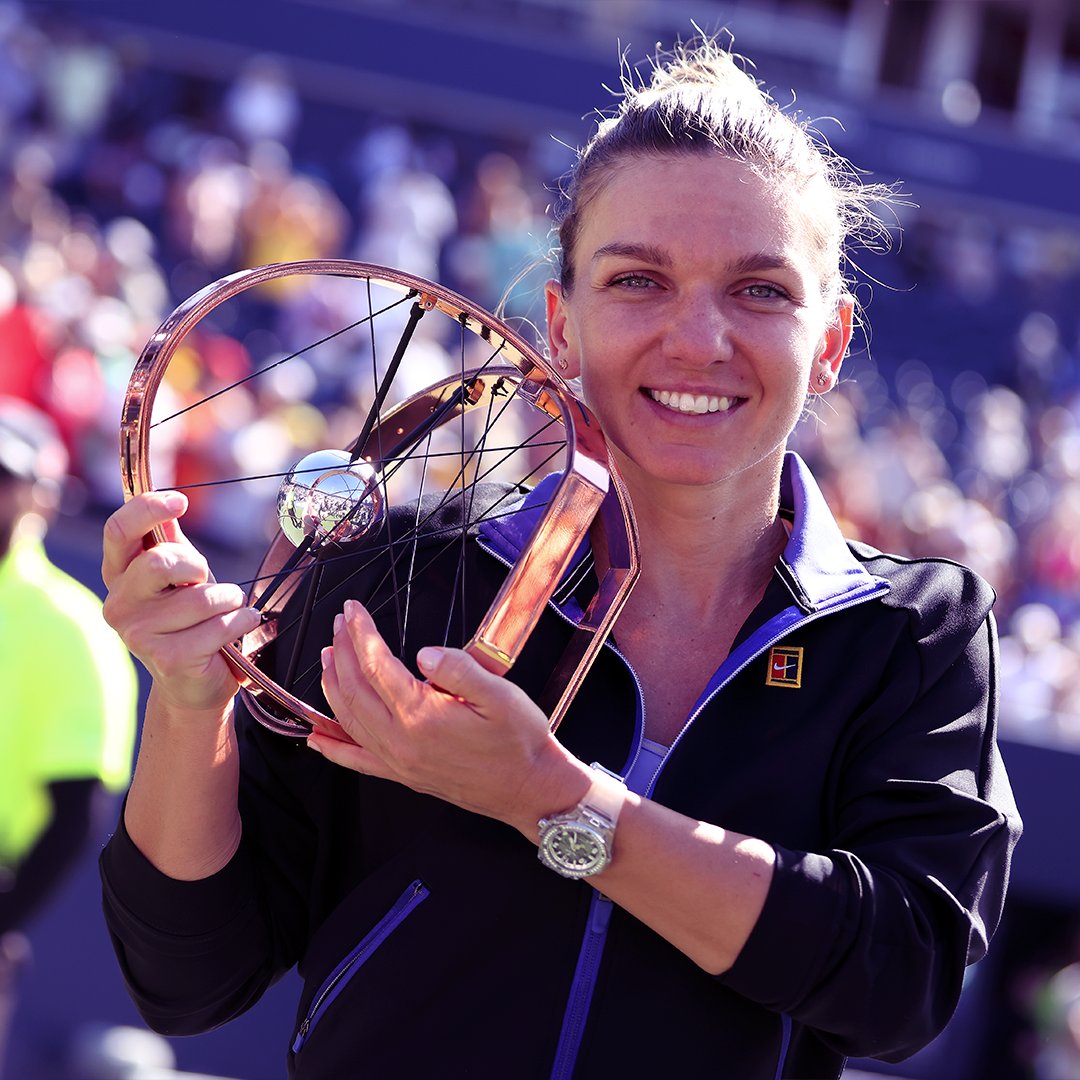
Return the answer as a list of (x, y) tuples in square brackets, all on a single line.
[(330, 496)]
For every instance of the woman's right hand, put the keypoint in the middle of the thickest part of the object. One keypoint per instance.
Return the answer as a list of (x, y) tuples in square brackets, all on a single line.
[(164, 604)]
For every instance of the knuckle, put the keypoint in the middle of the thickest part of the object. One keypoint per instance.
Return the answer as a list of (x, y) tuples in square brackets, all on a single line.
[(175, 564), (113, 532), (110, 612)]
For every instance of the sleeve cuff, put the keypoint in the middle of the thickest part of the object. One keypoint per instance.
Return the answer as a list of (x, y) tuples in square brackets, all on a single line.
[(801, 917), (165, 904)]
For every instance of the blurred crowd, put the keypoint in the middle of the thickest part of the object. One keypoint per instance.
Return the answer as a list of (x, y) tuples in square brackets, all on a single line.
[(124, 188)]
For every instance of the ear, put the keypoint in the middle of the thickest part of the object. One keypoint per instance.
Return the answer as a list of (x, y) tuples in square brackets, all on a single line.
[(559, 336), (834, 346)]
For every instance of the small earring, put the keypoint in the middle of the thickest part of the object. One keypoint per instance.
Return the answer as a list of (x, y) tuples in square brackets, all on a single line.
[(563, 363), (822, 379)]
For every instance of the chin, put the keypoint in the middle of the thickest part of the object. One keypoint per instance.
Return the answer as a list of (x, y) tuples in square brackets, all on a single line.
[(676, 472)]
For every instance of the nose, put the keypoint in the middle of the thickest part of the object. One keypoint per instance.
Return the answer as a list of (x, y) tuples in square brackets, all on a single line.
[(699, 330)]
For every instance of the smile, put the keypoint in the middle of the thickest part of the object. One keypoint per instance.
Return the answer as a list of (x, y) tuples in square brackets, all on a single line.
[(691, 403)]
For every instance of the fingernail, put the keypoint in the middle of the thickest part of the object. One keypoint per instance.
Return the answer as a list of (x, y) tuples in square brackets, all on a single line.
[(326, 656), (339, 623), (351, 609), (175, 503), (428, 658), (313, 745)]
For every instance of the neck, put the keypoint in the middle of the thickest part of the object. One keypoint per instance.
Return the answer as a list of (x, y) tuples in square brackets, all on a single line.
[(704, 547)]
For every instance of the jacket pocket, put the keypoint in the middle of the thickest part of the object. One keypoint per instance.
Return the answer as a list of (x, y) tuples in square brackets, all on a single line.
[(339, 978)]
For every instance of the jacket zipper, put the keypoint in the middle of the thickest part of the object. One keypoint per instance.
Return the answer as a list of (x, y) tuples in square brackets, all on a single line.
[(785, 1043), (581, 990), (339, 978)]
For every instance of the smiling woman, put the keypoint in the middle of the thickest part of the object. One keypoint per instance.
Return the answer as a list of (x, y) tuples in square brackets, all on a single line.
[(774, 824)]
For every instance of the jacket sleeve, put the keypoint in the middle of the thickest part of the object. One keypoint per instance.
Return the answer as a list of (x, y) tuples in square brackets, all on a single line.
[(867, 941), (195, 954)]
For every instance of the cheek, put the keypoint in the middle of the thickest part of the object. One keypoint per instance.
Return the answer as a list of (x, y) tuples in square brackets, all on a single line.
[(781, 344), (596, 391), (803, 342), (596, 350)]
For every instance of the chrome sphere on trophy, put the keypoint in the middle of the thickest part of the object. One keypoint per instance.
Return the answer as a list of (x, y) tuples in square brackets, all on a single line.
[(329, 497)]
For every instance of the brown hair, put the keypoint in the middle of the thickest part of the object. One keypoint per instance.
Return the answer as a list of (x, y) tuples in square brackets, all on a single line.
[(699, 100)]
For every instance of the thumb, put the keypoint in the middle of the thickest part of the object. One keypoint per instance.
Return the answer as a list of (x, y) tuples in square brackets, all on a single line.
[(456, 672)]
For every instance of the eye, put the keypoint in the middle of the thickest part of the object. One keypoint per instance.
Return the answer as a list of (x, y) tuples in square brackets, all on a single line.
[(631, 281), (761, 290)]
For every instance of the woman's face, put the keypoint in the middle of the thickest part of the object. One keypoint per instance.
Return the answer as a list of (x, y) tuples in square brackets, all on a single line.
[(697, 320)]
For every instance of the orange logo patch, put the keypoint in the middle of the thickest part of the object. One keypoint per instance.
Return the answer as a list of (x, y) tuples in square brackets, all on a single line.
[(785, 666)]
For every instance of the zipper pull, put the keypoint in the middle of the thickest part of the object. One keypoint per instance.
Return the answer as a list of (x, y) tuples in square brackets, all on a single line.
[(301, 1035)]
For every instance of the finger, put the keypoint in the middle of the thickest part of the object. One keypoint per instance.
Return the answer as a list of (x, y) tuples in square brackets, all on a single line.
[(331, 684), (354, 704), (349, 754), (123, 538), (203, 603), (201, 642), (174, 642), (147, 589), (366, 658), (169, 565)]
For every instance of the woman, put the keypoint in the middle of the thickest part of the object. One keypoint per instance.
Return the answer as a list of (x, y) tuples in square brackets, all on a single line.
[(797, 832)]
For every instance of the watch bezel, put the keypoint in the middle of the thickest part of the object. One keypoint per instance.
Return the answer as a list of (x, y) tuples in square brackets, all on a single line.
[(555, 831)]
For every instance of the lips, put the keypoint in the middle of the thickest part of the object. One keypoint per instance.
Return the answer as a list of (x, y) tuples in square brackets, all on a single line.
[(700, 404)]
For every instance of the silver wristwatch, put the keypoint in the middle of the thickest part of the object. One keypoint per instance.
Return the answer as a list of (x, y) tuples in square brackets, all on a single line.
[(577, 843)]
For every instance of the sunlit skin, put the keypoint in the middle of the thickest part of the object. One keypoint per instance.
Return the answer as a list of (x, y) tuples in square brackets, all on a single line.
[(732, 300)]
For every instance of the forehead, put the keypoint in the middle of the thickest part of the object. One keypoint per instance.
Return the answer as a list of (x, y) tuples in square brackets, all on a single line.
[(710, 200)]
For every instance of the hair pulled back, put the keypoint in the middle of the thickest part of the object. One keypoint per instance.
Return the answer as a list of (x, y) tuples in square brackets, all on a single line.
[(699, 100)]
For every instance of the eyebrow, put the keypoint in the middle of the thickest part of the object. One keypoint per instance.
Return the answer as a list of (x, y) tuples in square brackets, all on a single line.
[(762, 260), (646, 252), (651, 253)]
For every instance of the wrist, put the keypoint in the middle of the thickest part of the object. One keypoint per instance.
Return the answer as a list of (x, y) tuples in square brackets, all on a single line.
[(165, 710), (561, 781), (579, 841)]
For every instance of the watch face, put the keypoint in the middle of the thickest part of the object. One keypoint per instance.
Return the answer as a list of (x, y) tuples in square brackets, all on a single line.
[(574, 850)]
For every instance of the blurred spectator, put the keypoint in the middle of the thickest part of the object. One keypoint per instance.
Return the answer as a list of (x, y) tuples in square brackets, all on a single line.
[(69, 724), (25, 369), (407, 211), (209, 199), (262, 104), (1040, 671), (500, 254), (289, 216)]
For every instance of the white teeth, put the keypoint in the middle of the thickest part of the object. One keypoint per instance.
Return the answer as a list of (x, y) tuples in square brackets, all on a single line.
[(691, 403)]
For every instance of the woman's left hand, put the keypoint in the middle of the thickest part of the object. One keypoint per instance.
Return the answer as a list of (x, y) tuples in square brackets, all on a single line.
[(466, 736)]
